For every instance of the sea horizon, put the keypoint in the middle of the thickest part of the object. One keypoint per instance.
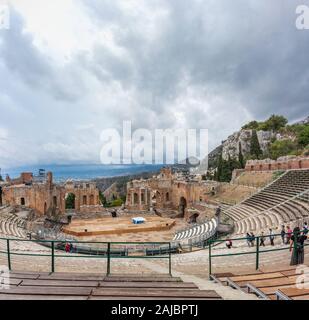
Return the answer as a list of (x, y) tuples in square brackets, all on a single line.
[(63, 172)]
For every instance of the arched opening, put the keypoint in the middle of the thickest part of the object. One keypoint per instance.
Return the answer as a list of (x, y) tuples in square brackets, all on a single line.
[(54, 201), (142, 197), (135, 198), (70, 201), (91, 200), (45, 208), (153, 198), (22, 201), (182, 206), (167, 197), (84, 200), (193, 218)]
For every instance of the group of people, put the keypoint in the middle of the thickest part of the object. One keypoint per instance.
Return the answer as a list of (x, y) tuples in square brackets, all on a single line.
[(250, 237), (69, 248), (295, 238)]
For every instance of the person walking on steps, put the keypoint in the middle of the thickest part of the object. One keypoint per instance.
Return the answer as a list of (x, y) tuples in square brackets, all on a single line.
[(248, 238), (252, 239), (283, 234), (297, 247), (271, 237), (262, 240), (288, 235), (305, 229)]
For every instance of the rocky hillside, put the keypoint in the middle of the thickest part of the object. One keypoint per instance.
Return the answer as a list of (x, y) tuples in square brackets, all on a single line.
[(275, 137)]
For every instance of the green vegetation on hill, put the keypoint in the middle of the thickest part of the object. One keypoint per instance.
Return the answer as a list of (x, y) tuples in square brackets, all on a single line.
[(241, 158), (294, 139), (225, 169), (274, 123), (255, 148), (287, 140)]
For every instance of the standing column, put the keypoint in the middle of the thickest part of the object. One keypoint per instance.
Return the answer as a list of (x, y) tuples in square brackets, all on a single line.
[(140, 198)]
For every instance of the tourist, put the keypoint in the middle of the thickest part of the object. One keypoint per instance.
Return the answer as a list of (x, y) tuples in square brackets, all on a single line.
[(271, 237), (180, 250), (283, 234), (288, 235), (262, 240), (252, 239), (218, 211), (298, 247), (305, 229), (229, 243), (71, 247), (67, 247), (248, 238)]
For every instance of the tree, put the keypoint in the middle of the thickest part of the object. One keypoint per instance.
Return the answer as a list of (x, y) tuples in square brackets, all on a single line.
[(255, 149), (303, 138), (70, 201), (275, 122), (102, 199), (241, 157), (252, 125), (219, 168)]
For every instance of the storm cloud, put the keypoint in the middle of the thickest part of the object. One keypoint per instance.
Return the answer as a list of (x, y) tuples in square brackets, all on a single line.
[(212, 64)]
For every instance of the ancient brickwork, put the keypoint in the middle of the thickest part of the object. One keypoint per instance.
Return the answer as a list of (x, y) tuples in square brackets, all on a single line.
[(46, 197), (167, 191), (283, 163)]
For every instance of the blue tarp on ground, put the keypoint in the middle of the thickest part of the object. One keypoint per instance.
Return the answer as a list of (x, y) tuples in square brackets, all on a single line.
[(138, 220)]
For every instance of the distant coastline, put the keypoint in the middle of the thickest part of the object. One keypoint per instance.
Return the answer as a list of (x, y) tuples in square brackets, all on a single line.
[(83, 171)]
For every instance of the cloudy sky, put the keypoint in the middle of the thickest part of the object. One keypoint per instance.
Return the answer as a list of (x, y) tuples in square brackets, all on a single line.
[(70, 68)]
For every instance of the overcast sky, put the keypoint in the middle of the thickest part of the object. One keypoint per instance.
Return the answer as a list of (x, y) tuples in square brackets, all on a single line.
[(70, 68)]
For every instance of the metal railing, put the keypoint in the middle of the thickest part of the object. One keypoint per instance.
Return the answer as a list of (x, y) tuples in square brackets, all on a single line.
[(110, 250), (257, 252)]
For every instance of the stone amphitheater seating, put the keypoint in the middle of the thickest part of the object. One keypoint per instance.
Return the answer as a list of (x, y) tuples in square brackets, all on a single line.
[(283, 201), (273, 285), (197, 233), (65, 286), (11, 225)]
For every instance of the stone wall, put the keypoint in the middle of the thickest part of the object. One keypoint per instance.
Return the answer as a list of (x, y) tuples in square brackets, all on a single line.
[(283, 163), (47, 198), (166, 192)]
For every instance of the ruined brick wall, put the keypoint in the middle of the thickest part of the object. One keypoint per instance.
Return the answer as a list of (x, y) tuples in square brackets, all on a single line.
[(283, 163), (165, 192), (86, 194), (38, 197), (49, 198)]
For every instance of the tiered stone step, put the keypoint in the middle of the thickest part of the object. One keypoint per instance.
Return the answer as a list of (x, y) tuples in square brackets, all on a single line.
[(281, 202), (197, 233), (273, 285), (34, 286)]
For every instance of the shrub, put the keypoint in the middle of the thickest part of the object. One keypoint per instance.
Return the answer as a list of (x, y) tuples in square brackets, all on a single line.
[(281, 148)]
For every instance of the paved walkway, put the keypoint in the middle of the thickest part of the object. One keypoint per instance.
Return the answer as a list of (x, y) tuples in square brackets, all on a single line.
[(226, 293)]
